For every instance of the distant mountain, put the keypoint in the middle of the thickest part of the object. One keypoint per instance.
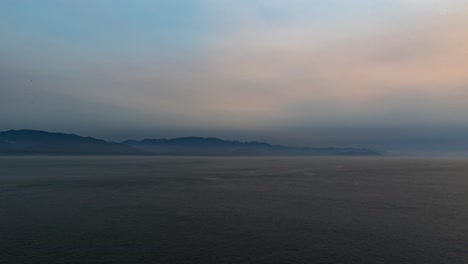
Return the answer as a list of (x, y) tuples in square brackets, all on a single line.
[(34, 142), (25, 142), (215, 146)]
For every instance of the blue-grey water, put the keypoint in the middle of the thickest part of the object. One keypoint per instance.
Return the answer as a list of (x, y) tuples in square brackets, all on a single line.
[(233, 210)]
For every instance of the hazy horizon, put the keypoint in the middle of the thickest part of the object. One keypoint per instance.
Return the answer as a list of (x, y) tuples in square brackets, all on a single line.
[(383, 74)]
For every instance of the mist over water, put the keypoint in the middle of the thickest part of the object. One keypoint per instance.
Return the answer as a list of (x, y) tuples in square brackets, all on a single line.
[(233, 210)]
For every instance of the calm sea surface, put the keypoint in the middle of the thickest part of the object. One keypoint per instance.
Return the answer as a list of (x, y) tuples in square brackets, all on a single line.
[(233, 210)]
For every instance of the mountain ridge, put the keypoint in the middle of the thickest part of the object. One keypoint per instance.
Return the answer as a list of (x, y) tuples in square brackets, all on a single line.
[(29, 141), (216, 146)]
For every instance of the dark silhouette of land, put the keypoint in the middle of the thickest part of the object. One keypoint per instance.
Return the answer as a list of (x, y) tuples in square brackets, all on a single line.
[(215, 146), (24, 142), (34, 142)]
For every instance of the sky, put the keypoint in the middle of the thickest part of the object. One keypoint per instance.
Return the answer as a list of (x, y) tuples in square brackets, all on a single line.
[(386, 74)]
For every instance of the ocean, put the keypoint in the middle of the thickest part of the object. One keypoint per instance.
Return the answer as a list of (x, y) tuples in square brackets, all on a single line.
[(233, 210)]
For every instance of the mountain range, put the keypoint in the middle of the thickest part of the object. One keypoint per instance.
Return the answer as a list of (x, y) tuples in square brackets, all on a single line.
[(35, 142)]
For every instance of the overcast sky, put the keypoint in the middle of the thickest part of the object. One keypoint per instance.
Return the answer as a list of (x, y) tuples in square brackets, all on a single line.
[(390, 74)]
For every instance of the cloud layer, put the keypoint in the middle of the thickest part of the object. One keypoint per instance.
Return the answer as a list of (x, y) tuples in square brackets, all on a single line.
[(314, 71)]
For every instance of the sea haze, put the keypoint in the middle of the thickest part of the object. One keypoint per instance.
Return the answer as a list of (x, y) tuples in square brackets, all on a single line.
[(233, 210)]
